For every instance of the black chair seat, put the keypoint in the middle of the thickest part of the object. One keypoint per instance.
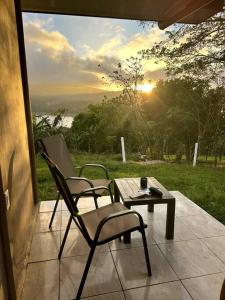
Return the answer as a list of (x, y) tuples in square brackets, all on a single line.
[(114, 226), (77, 186)]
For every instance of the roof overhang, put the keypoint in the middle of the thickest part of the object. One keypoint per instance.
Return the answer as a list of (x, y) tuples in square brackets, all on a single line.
[(165, 12)]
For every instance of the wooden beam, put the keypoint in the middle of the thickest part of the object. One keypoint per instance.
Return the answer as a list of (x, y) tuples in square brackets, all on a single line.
[(165, 12), (27, 104), (191, 8)]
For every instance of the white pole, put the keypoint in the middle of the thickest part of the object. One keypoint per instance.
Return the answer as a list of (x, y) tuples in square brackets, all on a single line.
[(195, 155), (123, 149)]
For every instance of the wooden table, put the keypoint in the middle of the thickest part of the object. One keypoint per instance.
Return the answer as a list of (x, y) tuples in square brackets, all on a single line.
[(126, 187)]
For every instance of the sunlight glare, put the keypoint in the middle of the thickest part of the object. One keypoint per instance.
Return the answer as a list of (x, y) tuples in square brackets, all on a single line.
[(145, 87)]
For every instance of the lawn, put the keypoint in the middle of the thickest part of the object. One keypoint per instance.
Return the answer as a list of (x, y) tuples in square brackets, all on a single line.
[(205, 185)]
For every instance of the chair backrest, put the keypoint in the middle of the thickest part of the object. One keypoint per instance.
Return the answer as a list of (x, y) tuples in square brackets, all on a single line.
[(65, 192), (56, 149), (61, 184)]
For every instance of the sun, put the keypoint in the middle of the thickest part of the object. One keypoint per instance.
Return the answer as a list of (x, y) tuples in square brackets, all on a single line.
[(145, 87)]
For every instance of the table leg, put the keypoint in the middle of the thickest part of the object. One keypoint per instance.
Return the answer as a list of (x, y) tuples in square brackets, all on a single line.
[(127, 236), (116, 193), (151, 207), (170, 219)]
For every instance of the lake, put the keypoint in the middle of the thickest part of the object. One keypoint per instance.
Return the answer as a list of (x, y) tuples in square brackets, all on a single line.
[(66, 120)]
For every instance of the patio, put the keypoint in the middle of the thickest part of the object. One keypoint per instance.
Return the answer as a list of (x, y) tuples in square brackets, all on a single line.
[(190, 267)]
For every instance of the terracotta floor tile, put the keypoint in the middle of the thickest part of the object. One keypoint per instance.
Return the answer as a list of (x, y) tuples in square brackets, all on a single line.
[(217, 246), (205, 287), (45, 246), (158, 231), (77, 245), (131, 267), (47, 206), (42, 281), (165, 291), (111, 296), (43, 220), (191, 258), (204, 225), (136, 241), (102, 276)]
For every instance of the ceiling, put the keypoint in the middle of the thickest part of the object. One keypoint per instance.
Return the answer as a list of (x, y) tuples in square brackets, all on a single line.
[(165, 12)]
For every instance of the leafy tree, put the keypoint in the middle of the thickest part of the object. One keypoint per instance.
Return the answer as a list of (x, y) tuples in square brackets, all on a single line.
[(175, 115), (182, 112), (99, 123), (214, 138), (46, 125), (197, 50), (128, 76)]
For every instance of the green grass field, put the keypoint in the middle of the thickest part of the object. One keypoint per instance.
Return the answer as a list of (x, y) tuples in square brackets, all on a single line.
[(205, 185)]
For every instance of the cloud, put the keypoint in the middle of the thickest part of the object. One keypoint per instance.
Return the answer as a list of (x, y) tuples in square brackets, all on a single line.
[(141, 40), (155, 75), (109, 47), (52, 42), (51, 58), (54, 61), (120, 47)]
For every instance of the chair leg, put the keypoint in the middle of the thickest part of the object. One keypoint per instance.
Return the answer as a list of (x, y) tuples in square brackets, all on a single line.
[(110, 193), (146, 252), (84, 276), (54, 211), (65, 237), (96, 202)]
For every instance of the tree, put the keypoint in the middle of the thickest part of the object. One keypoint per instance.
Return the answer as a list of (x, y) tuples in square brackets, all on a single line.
[(100, 122), (197, 50), (182, 112), (176, 114), (45, 125), (215, 132), (128, 76), (170, 110)]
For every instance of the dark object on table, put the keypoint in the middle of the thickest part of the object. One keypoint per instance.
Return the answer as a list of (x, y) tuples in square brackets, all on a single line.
[(140, 196), (144, 183), (155, 192)]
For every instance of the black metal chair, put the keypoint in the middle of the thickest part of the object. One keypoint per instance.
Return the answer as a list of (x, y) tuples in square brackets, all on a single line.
[(98, 226), (55, 147)]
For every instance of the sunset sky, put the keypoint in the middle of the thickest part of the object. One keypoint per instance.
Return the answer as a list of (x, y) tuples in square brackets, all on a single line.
[(63, 52)]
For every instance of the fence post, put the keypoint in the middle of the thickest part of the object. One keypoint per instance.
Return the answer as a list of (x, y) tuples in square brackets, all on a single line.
[(123, 149), (195, 155)]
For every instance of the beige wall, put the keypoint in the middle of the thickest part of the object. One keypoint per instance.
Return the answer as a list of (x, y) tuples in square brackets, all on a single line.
[(14, 153)]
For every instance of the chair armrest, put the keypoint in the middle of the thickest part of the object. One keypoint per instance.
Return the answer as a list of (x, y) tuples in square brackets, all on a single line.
[(90, 190), (95, 165), (81, 179), (116, 215)]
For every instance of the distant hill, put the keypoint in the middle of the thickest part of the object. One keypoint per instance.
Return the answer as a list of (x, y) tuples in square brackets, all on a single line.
[(72, 103)]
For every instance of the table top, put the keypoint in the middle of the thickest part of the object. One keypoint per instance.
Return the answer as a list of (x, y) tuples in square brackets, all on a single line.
[(129, 187)]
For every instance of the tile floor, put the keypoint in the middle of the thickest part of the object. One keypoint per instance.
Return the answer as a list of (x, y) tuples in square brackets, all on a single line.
[(192, 266)]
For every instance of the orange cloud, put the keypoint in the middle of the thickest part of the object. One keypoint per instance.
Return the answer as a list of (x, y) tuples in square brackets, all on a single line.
[(53, 42)]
